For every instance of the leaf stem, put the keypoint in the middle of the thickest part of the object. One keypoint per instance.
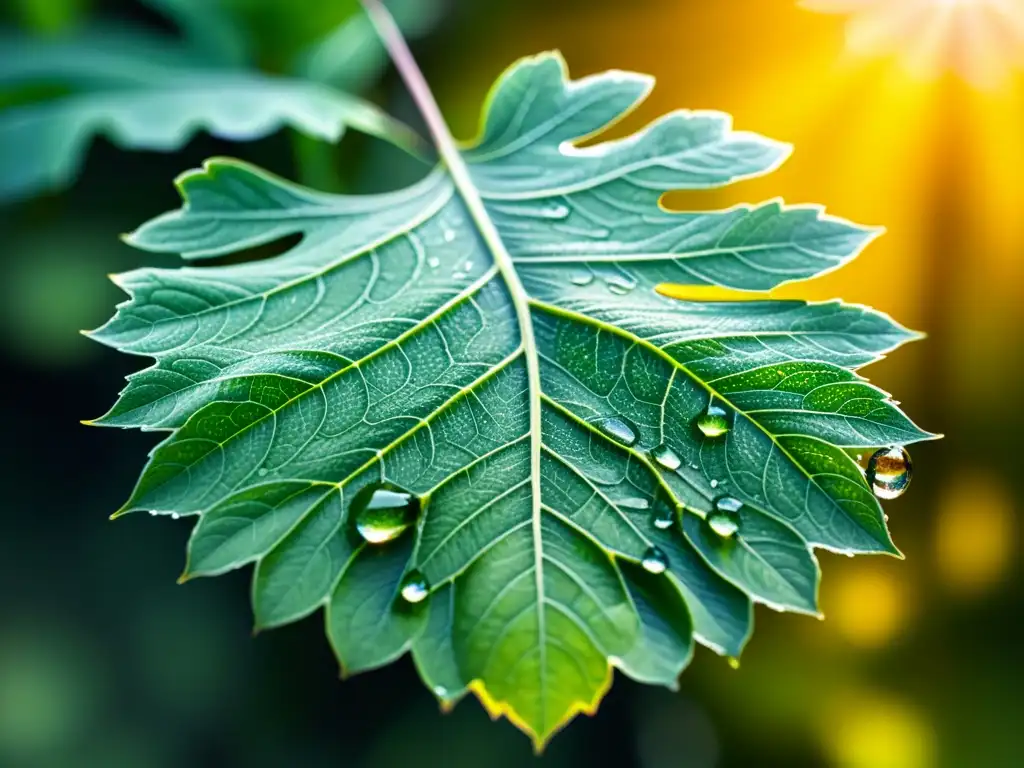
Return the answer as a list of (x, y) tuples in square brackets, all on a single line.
[(456, 165)]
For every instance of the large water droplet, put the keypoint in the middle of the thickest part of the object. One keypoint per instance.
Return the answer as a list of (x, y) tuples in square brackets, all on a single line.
[(618, 429), (724, 519), (414, 587), (714, 422), (889, 471), (620, 284), (383, 512), (665, 519), (582, 278), (655, 561), (666, 458)]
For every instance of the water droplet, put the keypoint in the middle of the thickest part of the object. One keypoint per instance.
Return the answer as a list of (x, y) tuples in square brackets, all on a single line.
[(468, 266), (557, 211), (665, 519), (714, 422), (889, 471), (383, 512), (724, 520), (714, 483), (458, 275), (655, 561), (261, 472), (175, 515), (440, 691), (582, 279), (619, 284), (449, 235), (152, 513), (414, 587), (634, 503), (734, 662), (666, 458), (618, 429), (433, 262)]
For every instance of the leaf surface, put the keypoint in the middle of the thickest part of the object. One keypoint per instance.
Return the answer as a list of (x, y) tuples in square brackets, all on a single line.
[(536, 393)]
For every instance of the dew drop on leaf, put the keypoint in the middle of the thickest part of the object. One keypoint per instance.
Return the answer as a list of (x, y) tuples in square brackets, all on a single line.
[(582, 278), (619, 285), (734, 662), (655, 561), (383, 512), (665, 519), (433, 262), (714, 422), (666, 458), (618, 429), (449, 235), (724, 520), (634, 503), (889, 471), (414, 587)]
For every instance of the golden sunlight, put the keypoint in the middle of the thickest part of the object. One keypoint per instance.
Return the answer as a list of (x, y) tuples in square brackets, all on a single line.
[(982, 40)]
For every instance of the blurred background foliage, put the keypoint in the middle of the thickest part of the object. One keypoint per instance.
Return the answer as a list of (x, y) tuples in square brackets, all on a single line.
[(105, 662)]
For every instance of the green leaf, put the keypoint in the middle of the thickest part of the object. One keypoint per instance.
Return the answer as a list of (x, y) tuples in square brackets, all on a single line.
[(491, 339), (352, 56), (145, 93)]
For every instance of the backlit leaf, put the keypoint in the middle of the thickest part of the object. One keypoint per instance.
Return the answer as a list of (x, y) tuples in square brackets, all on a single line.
[(537, 393)]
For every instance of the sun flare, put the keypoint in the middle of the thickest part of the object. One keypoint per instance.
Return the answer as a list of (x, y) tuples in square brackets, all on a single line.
[(982, 40)]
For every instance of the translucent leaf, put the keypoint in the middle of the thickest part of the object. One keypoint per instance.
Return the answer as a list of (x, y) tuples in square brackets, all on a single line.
[(571, 432)]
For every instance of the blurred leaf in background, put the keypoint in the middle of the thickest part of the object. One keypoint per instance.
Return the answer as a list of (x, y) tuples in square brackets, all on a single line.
[(144, 90)]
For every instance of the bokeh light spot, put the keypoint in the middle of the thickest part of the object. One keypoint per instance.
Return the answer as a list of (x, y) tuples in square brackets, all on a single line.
[(867, 605), (974, 536), (872, 730)]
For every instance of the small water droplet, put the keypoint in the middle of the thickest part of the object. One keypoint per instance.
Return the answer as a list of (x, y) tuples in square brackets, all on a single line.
[(414, 587), (714, 422), (666, 458), (619, 284), (468, 266), (714, 483), (618, 429), (724, 520), (734, 662), (449, 235), (557, 211), (634, 503), (665, 519), (383, 512), (458, 275), (440, 691), (433, 262), (152, 513), (582, 279), (889, 471), (261, 472), (655, 561), (175, 516)]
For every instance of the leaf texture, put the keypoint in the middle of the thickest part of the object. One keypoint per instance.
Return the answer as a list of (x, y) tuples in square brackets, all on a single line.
[(540, 398)]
